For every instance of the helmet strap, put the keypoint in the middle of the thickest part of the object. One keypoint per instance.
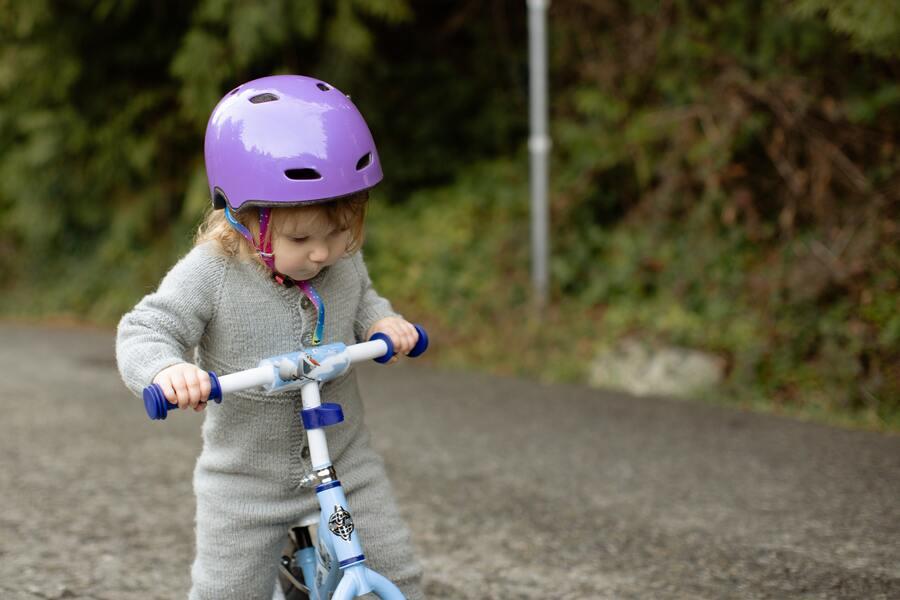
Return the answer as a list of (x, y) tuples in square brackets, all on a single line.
[(265, 241), (264, 249)]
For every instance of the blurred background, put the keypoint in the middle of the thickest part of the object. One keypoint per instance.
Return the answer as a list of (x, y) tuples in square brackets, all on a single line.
[(725, 178)]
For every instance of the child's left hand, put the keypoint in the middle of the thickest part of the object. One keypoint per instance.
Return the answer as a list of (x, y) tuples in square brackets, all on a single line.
[(402, 333)]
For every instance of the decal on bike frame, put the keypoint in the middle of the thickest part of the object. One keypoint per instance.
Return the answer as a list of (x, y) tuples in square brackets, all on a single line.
[(341, 523)]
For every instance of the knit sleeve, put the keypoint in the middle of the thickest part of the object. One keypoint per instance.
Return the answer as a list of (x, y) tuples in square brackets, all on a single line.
[(372, 307), (167, 324)]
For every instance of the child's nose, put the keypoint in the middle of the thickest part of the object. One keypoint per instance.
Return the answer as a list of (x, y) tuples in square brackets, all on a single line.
[(319, 252)]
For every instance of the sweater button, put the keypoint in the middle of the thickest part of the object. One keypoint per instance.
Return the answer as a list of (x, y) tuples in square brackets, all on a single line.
[(305, 303), (305, 452)]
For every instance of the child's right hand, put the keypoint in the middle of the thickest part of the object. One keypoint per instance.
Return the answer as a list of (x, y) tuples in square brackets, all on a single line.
[(184, 384)]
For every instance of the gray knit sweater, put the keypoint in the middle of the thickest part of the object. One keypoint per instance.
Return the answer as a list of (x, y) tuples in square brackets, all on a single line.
[(225, 315), (237, 315)]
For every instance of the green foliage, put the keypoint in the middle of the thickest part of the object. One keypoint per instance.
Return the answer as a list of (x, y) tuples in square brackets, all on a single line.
[(104, 105), (725, 175), (726, 179), (874, 26)]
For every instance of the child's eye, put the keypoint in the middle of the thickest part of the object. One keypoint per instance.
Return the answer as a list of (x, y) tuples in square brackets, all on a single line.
[(300, 238)]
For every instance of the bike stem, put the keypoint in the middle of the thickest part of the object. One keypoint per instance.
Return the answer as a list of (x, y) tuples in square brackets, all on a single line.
[(318, 445)]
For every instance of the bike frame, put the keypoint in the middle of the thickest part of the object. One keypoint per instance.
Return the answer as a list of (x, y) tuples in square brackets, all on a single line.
[(339, 557), (335, 567)]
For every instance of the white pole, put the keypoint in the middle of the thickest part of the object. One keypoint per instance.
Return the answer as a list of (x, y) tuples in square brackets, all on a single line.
[(539, 148)]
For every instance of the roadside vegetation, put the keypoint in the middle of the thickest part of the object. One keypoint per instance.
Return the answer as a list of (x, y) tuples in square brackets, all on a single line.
[(725, 176)]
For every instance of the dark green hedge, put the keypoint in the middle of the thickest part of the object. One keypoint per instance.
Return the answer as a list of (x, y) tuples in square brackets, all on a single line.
[(725, 174)]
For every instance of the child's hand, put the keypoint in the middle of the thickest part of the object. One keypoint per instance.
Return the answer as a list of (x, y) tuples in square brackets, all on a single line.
[(184, 384), (402, 333)]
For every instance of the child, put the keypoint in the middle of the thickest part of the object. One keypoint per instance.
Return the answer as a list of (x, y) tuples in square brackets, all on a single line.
[(275, 268)]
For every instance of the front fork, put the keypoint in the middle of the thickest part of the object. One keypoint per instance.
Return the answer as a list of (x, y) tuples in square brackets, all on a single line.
[(339, 545), (337, 570), (340, 551)]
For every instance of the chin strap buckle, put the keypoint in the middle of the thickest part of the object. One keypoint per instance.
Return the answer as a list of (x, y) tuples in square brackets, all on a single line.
[(284, 280)]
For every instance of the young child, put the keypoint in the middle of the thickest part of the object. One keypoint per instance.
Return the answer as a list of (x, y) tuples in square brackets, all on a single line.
[(275, 268)]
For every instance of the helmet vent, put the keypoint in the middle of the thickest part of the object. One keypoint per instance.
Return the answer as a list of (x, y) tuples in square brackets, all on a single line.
[(322, 87), (234, 91), (302, 174), (364, 162), (260, 98)]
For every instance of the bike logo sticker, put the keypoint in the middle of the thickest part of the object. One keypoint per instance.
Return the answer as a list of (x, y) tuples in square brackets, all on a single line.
[(341, 523)]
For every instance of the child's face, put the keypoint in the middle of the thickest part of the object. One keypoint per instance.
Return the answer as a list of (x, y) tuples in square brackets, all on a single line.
[(305, 242)]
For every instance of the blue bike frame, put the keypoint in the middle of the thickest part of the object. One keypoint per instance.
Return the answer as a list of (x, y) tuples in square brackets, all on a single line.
[(334, 569)]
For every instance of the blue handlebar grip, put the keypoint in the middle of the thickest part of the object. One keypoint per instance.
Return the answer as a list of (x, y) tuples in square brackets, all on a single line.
[(418, 349), (157, 406), (422, 345), (390, 347)]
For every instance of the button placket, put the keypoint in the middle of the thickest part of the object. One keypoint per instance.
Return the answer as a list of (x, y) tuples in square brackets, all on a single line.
[(308, 321)]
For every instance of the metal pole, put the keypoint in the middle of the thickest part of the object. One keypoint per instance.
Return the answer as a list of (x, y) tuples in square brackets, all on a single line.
[(539, 148)]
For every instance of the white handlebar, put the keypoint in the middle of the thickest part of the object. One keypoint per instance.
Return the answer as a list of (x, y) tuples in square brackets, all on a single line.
[(288, 371), (367, 350), (245, 380), (266, 374)]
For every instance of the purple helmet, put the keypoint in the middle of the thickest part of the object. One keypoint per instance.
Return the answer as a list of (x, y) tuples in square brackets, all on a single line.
[(287, 140)]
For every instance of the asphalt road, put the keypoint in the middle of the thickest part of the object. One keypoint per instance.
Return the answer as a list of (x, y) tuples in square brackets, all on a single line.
[(512, 489)]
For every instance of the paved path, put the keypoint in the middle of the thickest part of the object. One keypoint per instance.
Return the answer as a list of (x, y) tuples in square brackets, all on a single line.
[(513, 490)]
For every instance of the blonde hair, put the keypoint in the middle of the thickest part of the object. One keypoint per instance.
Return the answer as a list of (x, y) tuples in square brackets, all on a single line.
[(344, 213)]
